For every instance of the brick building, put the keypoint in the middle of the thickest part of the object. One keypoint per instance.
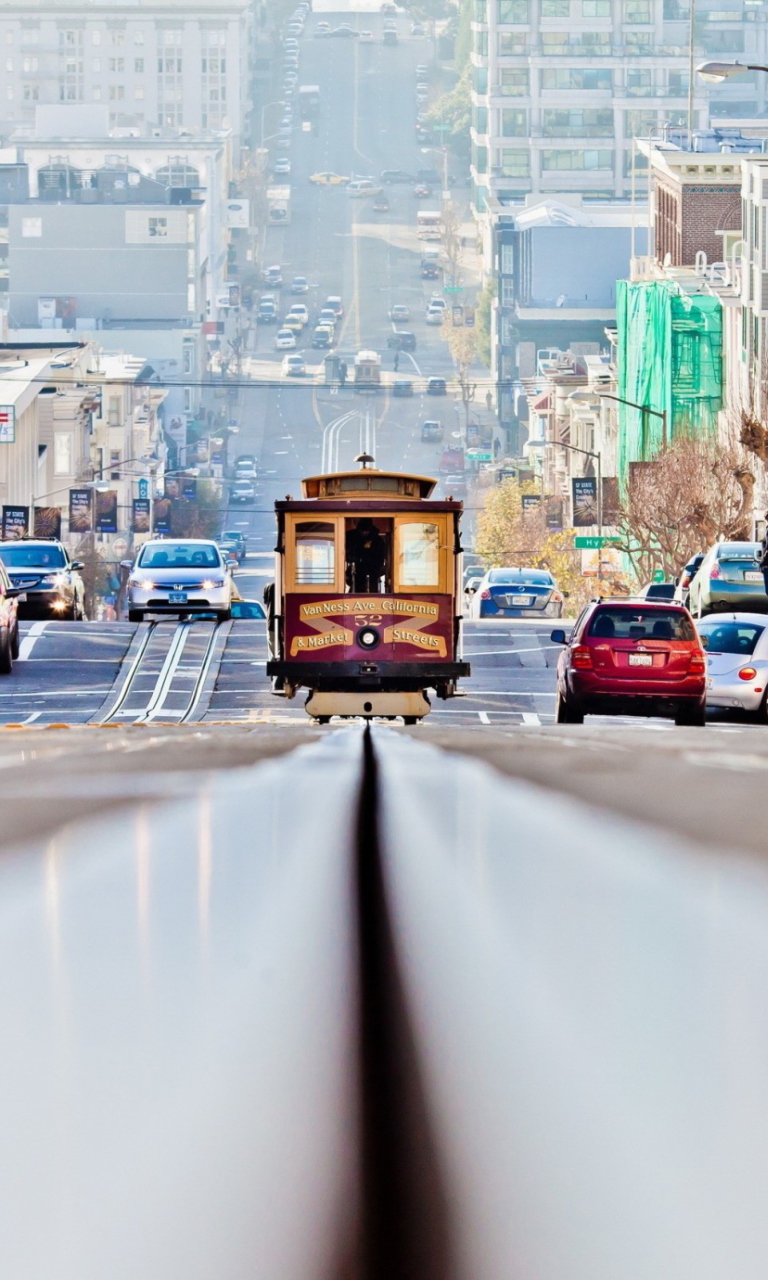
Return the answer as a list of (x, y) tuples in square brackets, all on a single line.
[(695, 193)]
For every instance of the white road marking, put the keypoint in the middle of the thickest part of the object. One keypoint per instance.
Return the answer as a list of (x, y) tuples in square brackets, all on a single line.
[(30, 640), (484, 717), (31, 719), (530, 717)]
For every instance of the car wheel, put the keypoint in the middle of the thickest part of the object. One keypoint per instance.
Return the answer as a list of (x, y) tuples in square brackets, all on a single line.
[(565, 713), (225, 615), (6, 654), (15, 641), (135, 615), (693, 716), (69, 615)]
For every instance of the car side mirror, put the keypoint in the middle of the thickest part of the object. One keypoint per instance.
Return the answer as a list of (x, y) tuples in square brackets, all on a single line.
[(124, 564), (558, 636), (12, 593), (77, 564), (470, 591)]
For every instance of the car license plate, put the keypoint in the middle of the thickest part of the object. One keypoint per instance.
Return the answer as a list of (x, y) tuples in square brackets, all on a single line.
[(177, 597), (751, 575), (641, 659), (710, 684)]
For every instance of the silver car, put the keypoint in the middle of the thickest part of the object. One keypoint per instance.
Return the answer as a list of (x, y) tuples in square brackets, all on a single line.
[(179, 577), (736, 645)]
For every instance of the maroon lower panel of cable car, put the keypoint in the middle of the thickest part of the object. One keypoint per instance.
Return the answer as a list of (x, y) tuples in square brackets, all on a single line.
[(353, 628)]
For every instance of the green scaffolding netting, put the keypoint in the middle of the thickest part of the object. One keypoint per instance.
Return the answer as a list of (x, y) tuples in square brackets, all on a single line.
[(670, 357)]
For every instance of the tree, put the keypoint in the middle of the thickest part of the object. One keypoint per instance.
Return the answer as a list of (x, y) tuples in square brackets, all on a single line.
[(462, 344), (454, 109), (452, 241), (483, 321), (692, 493)]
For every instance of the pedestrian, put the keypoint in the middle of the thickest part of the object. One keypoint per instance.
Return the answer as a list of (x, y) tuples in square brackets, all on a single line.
[(397, 361), (488, 400), (343, 372), (763, 556)]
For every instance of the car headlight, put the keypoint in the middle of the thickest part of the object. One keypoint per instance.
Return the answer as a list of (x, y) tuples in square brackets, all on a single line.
[(144, 584), (211, 583), (55, 580)]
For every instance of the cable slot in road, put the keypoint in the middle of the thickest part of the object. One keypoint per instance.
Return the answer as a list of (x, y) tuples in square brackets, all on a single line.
[(157, 684)]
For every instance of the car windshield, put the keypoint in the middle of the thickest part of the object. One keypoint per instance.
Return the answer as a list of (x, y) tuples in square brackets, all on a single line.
[(730, 637), (505, 577), (179, 555), (622, 623), (25, 556), (746, 551)]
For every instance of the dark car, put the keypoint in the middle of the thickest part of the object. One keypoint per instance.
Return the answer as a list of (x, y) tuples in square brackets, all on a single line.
[(430, 176), (266, 313), (430, 271), (402, 387), (657, 591), (380, 205), (234, 540), (683, 589), (51, 582), (396, 175), (431, 430), (515, 593), (9, 622), (436, 387), (249, 609), (344, 31), (401, 340), (273, 276), (630, 658)]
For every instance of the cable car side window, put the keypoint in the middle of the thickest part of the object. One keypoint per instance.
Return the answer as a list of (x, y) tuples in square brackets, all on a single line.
[(315, 553), (418, 554)]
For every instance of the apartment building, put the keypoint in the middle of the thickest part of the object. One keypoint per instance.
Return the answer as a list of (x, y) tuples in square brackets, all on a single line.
[(169, 64), (560, 88)]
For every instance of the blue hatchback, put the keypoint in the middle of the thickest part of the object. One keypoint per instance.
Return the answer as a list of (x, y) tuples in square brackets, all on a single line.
[(517, 593)]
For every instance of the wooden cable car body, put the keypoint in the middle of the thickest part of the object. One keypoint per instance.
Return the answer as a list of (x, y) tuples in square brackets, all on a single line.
[(368, 595)]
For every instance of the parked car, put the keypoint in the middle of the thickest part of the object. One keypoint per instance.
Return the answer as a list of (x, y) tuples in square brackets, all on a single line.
[(431, 430), (50, 583), (736, 646), (179, 576), (398, 313), (402, 387), (656, 591), (436, 387), (363, 187), (242, 491), (625, 658), (516, 593), (683, 588), (729, 577), (9, 622), (434, 315), (390, 176)]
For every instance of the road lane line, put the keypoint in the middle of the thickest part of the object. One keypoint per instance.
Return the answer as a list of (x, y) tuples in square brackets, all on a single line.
[(530, 717), (31, 639), (31, 719), (484, 717)]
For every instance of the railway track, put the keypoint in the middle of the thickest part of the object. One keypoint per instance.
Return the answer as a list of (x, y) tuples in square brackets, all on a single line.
[(167, 673)]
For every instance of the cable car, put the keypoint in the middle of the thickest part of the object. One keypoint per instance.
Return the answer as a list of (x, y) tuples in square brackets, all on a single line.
[(367, 602)]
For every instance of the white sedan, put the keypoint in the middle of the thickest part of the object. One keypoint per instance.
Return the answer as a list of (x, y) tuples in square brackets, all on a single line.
[(180, 577), (285, 340)]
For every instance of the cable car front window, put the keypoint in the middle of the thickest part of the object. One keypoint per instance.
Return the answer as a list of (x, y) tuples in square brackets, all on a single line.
[(315, 554), (418, 554)]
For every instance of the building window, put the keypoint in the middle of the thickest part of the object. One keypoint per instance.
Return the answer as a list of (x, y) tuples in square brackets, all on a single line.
[(114, 464), (514, 123), (637, 11), (576, 160), (9, 93), (96, 93), (513, 11), (640, 41), (30, 35), (32, 228), (117, 64), (28, 64), (677, 84), (158, 227), (595, 8), (578, 123), (116, 92), (639, 124), (138, 92), (480, 43), (480, 159), (576, 78), (29, 92), (117, 38), (507, 260), (62, 453), (481, 11), (514, 164), (511, 44), (513, 83), (96, 37), (480, 119), (138, 66), (555, 8), (480, 79), (138, 37), (507, 293), (9, 37)]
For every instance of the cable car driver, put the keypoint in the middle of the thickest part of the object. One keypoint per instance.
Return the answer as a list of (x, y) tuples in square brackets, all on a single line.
[(366, 554)]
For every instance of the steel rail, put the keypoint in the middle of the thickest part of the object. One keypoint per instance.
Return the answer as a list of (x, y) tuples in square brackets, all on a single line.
[(127, 684)]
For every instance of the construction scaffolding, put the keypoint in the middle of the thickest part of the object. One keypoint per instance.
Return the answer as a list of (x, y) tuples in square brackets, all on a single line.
[(670, 359)]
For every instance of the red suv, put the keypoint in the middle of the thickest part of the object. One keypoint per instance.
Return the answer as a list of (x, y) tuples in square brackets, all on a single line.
[(626, 657)]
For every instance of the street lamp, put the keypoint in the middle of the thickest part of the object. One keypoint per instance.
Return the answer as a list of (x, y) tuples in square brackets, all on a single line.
[(440, 151), (644, 409), (717, 72), (587, 453)]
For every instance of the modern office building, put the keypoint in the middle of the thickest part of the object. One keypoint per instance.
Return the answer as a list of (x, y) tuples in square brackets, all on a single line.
[(561, 87)]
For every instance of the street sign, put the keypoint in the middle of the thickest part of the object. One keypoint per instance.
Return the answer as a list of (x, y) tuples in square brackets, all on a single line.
[(143, 488), (453, 288), (479, 455), (120, 547), (593, 543), (658, 575)]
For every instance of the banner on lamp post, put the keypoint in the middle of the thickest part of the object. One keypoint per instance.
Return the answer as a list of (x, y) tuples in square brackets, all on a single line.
[(47, 522), (140, 520), (81, 511), (15, 522), (106, 511), (584, 489)]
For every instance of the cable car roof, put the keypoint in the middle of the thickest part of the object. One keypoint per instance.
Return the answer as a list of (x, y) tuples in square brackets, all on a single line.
[(368, 483)]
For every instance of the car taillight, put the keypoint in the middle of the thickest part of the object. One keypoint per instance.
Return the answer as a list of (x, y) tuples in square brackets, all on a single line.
[(686, 582), (715, 571), (747, 673), (581, 658), (485, 595), (697, 662)]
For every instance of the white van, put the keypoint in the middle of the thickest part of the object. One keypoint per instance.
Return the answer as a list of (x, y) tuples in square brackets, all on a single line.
[(363, 187)]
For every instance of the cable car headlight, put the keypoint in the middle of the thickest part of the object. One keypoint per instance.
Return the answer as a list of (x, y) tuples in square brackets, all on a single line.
[(368, 638)]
